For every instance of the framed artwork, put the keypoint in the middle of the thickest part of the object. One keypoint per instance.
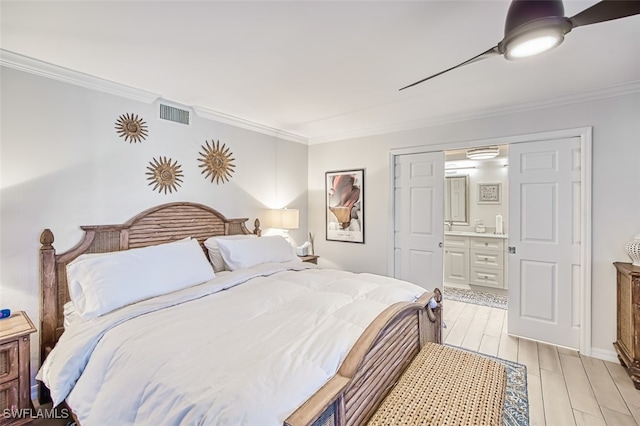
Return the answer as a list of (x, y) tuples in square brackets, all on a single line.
[(344, 205), (489, 193)]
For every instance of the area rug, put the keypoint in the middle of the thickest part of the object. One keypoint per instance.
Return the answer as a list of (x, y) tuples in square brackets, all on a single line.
[(516, 402), (475, 297)]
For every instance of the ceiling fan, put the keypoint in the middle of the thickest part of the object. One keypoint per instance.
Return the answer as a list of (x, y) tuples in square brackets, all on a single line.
[(535, 26)]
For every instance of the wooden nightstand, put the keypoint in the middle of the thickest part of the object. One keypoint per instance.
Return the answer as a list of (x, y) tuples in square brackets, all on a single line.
[(15, 366), (311, 258), (627, 342)]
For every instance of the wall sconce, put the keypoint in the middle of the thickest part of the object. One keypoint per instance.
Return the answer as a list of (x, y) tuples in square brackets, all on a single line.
[(284, 219)]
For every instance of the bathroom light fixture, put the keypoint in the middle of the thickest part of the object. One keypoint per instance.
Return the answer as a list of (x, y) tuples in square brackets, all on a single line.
[(483, 153)]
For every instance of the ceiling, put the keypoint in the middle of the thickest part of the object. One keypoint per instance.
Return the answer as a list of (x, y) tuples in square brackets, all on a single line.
[(321, 70)]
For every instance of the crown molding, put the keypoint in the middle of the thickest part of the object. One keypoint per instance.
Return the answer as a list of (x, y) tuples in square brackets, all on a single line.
[(66, 75), (591, 95), (45, 69), (249, 125)]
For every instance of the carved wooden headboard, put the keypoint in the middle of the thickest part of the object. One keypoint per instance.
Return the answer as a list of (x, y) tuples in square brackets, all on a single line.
[(157, 225)]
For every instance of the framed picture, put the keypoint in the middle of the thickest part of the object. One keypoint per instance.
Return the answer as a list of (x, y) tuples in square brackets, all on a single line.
[(344, 205), (489, 193)]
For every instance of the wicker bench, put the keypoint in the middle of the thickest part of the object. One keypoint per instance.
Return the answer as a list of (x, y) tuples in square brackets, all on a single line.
[(445, 386)]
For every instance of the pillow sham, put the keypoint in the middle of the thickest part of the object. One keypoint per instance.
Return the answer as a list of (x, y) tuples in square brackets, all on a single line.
[(99, 284), (239, 254), (215, 257)]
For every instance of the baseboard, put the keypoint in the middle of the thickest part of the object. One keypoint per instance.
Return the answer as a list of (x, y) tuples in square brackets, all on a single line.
[(605, 355)]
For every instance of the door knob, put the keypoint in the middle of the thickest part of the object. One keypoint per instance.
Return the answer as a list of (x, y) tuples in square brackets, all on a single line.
[(440, 244)]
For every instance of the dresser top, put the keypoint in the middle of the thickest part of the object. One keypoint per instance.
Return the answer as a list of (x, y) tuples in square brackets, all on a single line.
[(627, 268), (18, 324)]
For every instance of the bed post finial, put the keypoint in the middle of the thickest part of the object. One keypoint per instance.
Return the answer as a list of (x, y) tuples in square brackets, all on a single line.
[(256, 229), (46, 239)]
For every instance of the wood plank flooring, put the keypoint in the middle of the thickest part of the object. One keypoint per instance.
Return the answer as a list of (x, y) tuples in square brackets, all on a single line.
[(565, 388)]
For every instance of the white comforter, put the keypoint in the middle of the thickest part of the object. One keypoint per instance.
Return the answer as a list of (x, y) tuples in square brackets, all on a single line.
[(246, 348)]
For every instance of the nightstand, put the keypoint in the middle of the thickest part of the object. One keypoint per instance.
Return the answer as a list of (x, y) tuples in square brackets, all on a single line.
[(311, 258), (15, 366)]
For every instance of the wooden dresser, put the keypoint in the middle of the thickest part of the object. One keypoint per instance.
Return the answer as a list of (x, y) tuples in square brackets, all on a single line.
[(627, 342), (15, 357)]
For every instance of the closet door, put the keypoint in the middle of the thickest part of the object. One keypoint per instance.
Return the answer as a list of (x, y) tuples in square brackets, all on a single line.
[(419, 218), (544, 241)]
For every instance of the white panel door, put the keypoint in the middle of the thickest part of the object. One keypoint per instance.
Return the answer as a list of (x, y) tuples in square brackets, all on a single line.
[(419, 218), (545, 214)]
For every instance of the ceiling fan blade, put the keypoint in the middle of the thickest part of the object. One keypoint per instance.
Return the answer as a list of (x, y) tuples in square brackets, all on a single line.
[(484, 55), (605, 10)]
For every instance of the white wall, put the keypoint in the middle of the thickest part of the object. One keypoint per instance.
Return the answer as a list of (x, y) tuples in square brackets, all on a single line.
[(486, 171), (616, 198), (63, 165)]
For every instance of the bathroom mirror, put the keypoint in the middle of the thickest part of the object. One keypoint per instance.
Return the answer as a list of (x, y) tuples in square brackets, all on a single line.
[(456, 200)]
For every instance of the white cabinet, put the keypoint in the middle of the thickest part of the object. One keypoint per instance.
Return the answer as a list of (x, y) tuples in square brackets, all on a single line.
[(456, 260), (475, 260)]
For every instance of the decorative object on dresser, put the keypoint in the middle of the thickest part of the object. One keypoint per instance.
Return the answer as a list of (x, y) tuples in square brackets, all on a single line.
[(217, 162), (627, 342), (633, 250), (164, 174), (15, 369), (130, 126)]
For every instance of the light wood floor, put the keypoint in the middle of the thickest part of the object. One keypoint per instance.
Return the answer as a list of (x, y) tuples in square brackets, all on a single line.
[(565, 388)]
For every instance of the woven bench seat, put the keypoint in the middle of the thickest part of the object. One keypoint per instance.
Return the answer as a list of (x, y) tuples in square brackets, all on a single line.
[(445, 386)]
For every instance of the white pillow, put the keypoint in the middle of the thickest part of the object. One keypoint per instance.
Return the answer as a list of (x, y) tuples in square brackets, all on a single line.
[(239, 254), (102, 283), (215, 257), (70, 314)]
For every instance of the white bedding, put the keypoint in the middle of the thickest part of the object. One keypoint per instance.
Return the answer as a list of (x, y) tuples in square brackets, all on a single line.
[(246, 348)]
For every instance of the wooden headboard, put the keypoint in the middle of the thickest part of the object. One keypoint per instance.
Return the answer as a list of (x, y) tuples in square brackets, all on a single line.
[(157, 225)]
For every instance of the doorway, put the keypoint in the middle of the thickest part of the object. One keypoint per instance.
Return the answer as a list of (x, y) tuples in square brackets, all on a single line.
[(546, 272), (476, 219)]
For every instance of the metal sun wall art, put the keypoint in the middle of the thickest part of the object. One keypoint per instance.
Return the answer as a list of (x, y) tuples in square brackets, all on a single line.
[(130, 126), (217, 162), (164, 174)]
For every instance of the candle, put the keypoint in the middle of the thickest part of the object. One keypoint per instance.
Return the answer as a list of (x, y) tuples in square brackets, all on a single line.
[(498, 224)]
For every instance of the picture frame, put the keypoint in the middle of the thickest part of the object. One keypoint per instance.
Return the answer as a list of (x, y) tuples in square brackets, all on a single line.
[(489, 193), (344, 205)]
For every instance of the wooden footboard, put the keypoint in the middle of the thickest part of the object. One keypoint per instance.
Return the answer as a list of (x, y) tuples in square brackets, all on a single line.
[(373, 365)]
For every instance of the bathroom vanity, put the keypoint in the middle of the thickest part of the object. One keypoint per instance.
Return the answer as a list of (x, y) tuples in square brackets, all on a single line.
[(475, 259)]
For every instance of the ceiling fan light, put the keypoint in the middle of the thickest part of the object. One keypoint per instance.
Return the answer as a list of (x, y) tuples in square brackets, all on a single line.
[(533, 44), (483, 153)]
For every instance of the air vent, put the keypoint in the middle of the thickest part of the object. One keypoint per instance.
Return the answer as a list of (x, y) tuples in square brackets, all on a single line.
[(174, 114)]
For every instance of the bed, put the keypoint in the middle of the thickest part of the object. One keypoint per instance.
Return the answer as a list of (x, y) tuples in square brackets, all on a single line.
[(348, 387)]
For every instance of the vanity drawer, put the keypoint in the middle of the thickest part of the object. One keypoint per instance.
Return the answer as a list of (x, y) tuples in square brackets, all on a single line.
[(486, 243), (487, 277), (487, 258), (456, 242)]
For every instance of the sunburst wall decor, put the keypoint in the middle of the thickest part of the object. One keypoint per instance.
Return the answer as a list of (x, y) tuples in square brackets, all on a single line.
[(164, 174), (217, 162), (130, 126)]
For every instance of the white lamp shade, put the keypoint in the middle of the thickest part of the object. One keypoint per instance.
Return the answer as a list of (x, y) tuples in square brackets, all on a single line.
[(284, 218)]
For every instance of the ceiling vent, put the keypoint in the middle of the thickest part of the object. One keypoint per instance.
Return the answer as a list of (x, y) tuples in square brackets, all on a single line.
[(171, 113)]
